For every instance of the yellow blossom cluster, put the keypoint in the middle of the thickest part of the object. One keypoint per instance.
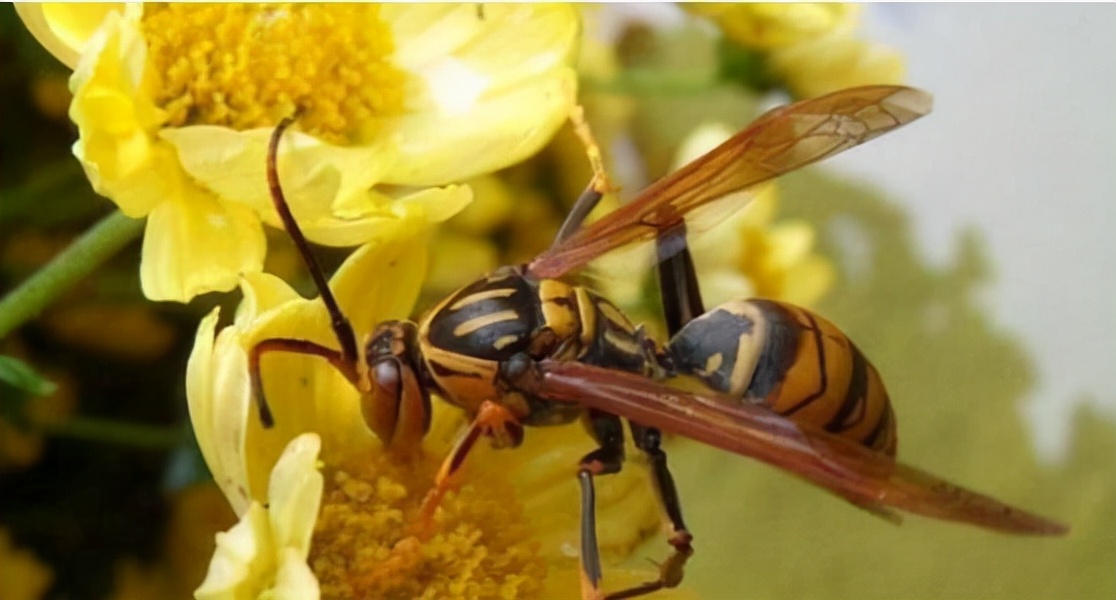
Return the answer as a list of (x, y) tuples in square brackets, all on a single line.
[(812, 48)]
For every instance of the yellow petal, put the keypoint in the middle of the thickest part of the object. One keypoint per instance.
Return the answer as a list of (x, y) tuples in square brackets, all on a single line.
[(64, 29), (383, 213), (498, 86), (835, 62), (217, 394), (196, 244), (242, 563), (778, 25), (115, 116), (263, 292), (294, 580), (501, 130), (382, 279), (315, 175), (295, 493)]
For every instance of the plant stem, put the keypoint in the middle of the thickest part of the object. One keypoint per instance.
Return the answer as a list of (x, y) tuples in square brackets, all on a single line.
[(654, 82), (115, 432), (93, 248)]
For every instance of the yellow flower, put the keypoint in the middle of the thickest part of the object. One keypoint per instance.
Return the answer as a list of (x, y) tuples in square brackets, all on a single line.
[(833, 62), (174, 106), (326, 512), (765, 26), (22, 575), (811, 48)]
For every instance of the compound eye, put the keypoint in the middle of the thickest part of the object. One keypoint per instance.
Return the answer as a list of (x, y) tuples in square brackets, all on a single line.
[(380, 408), (388, 381)]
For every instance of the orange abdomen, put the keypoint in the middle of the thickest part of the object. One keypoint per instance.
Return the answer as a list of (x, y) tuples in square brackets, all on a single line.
[(792, 361)]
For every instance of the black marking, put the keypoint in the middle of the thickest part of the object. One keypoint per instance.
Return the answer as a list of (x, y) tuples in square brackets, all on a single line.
[(715, 332), (482, 342), (854, 396), (607, 349), (441, 370), (780, 350), (823, 372), (882, 426)]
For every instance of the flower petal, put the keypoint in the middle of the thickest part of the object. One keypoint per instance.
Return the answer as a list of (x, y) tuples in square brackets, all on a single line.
[(243, 561), (64, 29), (438, 148), (196, 245), (834, 62), (115, 116), (414, 210), (294, 580), (328, 187), (497, 87), (315, 175), (217, 431), (295, 493), (382, 279)]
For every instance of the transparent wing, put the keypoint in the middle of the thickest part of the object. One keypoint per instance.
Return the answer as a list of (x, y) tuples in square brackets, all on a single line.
[(868, 479), (782, 140)]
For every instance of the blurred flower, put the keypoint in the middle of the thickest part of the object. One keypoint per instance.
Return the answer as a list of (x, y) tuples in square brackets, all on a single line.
[(198, 512), (338, 506), (747, 254), (770, 26), (175, 104), (22, 575), (811, 48), (738, 247), (835, 62)]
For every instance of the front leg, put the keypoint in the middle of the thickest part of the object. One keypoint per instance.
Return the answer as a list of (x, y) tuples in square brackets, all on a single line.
[(492, 420)]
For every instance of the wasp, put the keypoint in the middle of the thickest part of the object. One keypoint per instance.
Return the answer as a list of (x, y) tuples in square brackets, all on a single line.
[(520, 348)]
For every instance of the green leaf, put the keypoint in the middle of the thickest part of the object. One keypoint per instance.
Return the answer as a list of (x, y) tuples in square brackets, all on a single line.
[(16, 374)]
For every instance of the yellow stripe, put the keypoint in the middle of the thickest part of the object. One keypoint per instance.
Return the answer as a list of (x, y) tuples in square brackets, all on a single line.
[(587, 316), (483, 321), (481, 296)]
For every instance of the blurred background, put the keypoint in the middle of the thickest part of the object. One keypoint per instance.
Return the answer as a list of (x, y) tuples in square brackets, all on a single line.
[(965, 254)]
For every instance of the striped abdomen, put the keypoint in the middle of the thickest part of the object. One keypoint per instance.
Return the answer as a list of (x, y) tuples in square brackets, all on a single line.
[(792, 361)]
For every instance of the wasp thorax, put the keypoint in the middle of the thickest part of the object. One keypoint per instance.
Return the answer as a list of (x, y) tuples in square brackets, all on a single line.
[(395, 406)]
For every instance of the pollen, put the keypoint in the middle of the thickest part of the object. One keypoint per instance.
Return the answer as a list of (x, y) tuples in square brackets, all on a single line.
[(365, 544), (248, 66)]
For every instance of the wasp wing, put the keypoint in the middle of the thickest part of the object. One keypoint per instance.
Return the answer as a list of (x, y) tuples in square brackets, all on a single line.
[(780, 141), (868, 479)]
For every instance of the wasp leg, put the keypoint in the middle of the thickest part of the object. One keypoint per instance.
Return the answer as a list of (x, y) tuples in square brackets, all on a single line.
[(647, 439), (608, 458), (585, 204), (681, 298), (342, 328), (678, 284), (599, 184), (347, 367), (492, 420)]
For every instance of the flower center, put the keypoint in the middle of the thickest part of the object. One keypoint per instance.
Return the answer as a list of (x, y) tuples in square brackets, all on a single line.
[(248, 66), (481, 547)]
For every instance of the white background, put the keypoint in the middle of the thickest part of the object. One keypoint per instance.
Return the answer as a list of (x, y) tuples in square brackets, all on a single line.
[(1022, 146)]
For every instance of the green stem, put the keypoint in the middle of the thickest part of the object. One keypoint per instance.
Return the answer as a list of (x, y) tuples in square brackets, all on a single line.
[(653, 82), (97, 245), (115, 432)]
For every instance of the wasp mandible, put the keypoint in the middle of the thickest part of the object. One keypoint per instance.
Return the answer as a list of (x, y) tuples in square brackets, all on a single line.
[(760, 378)]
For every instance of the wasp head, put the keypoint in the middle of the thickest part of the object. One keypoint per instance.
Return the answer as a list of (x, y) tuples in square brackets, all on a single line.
[(396, 406)]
